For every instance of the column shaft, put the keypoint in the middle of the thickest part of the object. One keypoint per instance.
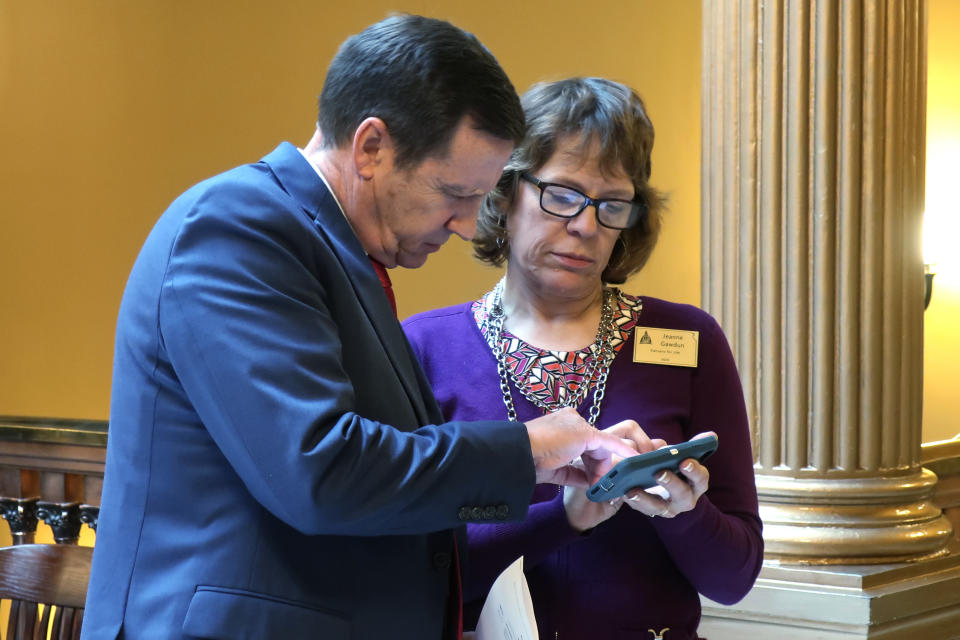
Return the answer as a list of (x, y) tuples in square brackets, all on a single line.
[(812, 183)]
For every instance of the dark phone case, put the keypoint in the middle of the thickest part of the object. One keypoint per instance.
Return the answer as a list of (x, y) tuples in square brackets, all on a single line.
[(641, 470)]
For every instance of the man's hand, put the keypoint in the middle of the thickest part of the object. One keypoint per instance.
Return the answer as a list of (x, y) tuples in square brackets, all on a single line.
[(558, 439)]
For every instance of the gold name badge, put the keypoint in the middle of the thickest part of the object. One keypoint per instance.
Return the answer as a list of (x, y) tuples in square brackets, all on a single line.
[(665, 346)]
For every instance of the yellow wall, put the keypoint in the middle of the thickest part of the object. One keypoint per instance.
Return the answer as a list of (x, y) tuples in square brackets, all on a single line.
[(941, 371), (109, 109), (654, 47)]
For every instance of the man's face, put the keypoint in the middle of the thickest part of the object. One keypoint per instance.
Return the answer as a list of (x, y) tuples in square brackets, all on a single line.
[(418, 208)]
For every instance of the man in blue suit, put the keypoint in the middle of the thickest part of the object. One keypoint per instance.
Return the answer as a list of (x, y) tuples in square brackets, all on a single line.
[(277, 466)]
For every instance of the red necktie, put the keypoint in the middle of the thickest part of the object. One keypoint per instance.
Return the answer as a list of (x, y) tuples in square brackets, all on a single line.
[(385, 282), (457, 584)]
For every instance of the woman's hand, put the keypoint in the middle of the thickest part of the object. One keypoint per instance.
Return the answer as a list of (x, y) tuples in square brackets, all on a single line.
[(632, 434), (677, 494), (582, 513)]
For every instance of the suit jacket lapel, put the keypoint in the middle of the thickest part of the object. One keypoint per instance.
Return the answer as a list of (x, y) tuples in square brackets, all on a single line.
[(300, 180)]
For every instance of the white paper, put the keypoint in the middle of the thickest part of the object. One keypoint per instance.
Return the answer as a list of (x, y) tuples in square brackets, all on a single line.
[(507, 613)]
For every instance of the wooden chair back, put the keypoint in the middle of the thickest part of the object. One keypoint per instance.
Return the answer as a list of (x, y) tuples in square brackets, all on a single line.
[(47, 574)]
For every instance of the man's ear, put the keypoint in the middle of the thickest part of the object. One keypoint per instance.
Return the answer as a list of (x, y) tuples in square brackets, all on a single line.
[(372, 147)]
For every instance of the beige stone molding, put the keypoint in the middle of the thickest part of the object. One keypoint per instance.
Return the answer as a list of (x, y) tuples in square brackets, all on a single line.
[(890, 602)]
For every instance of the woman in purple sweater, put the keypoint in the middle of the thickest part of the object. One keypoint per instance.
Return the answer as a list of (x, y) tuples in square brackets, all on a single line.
[(572, 214)]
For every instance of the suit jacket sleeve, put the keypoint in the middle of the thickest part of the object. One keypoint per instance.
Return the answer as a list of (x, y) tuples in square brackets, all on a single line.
[(252, 315)]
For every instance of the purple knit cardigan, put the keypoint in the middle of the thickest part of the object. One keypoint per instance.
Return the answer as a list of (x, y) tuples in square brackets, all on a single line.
[(631, 574)]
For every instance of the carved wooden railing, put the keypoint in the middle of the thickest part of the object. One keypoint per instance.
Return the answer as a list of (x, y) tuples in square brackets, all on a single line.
[(51, 470), (64, 518)]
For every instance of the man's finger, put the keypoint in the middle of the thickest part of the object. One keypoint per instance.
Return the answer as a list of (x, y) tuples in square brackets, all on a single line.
[(630, 430), (610, 443), (568, 475)]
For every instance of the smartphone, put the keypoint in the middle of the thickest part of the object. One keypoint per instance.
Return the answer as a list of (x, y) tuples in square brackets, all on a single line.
[(640, 471)]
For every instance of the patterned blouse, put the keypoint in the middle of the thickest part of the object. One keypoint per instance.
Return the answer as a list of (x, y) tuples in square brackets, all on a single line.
[(549, 378)]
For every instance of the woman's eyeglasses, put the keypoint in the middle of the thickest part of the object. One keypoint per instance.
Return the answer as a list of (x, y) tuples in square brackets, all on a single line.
[(566, 202)]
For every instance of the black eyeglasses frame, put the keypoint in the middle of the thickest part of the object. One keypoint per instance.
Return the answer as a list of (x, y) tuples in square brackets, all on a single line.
[(640, 205)]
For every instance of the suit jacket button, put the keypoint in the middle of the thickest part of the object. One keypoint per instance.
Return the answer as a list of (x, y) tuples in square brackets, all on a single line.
[(502, 512), (476, 513), (464, 513), (441, 560), (490, 513)]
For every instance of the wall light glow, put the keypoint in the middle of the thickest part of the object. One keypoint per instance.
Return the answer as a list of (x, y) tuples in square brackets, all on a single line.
[(941, 219)]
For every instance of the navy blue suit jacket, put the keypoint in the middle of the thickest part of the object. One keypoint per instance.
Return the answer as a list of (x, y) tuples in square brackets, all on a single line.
[(275, 464)]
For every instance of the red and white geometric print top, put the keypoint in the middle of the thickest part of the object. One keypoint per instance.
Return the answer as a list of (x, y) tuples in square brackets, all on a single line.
[(547, 378)]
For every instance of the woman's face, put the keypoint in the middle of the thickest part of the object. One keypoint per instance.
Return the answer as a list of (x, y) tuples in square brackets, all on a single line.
[(564, 257)]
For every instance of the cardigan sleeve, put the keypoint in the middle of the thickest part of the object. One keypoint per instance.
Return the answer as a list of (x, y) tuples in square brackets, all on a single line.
[(718, 545), (493, 547)]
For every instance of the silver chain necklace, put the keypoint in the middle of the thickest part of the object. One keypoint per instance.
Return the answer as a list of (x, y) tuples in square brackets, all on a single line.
[(599, 365)]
